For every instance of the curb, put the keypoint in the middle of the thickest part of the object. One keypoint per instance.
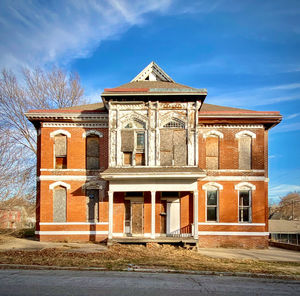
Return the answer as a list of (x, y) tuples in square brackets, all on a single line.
[(150, 270)]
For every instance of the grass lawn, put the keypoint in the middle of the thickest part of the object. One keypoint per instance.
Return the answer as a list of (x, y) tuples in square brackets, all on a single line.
[(120, 257)]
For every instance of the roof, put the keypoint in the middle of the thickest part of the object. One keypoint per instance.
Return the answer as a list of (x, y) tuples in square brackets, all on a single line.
[(284, 226), (153, 81), (208, 109), (153, 172)]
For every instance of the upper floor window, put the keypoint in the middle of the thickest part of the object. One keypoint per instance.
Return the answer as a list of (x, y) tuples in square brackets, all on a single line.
[(133, 143), (212, 149), (92, 152), (173, 144), (245, 149), (60, 148)]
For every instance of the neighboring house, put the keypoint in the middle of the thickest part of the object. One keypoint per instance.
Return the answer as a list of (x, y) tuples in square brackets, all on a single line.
[(153, 162), (285, 231), (10, 218)]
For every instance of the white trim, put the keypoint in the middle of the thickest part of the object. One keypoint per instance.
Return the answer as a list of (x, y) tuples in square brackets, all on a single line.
[(245, 133), (60, 131), (230, 224), (83, 125), (208, 186), (244, 184), (59, 183), (237, 171), (70, 232), (92, 132), (66, 178), (236, 178), (235, 233), (232, 125), (73, 223), (213, 133)]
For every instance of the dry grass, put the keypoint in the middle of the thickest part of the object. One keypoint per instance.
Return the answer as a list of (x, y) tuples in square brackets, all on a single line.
[(119, 257)]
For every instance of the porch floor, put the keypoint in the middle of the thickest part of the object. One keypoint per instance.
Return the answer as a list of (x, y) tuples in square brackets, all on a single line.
[(159, 240)]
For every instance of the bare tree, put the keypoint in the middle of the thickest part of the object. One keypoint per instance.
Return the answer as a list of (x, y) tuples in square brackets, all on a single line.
[(32, 89)]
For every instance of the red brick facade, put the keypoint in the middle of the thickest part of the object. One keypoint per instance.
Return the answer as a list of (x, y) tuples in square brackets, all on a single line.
[(227, 178)]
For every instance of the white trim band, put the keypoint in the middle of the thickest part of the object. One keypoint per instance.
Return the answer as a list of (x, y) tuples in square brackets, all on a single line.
[(60, 131), (73, 223), (235, 233), (230, 224), (235, 178), (66, 178), (70, 232)]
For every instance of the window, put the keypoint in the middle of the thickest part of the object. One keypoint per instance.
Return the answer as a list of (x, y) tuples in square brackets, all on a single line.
[(133, 144), (173, 144), (212, 152), (92, 152), (92, 202), (212, 205), (59, 204), (245, 206), (245, 143), (60, 148)]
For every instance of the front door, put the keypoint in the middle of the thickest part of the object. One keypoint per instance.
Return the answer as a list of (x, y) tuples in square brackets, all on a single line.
[(163, 217), (137, 217), (173, 216)]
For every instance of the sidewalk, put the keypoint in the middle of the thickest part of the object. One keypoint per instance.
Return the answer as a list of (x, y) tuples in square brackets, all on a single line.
[(271, 254)]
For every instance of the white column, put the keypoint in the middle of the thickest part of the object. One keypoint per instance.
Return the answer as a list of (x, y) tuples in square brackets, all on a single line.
[(153, 193), (195, 214), (110, 213)]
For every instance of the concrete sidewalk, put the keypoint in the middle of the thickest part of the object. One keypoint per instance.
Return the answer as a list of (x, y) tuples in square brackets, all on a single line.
[(271, 254)]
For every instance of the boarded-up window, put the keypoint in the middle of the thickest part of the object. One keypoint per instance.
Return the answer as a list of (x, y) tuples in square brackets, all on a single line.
[(179, 144), (60, 142), (59, 204), (127, 140), (245, 143), (212, 153), (127, 158), (172, 147), (92, 153), (140, 159), (92, 202)]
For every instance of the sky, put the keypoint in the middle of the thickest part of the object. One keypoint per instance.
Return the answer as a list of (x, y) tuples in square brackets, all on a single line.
[(245, 53)]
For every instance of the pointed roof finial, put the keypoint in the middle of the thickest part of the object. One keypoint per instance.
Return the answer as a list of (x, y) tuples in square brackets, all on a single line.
[(153, 73)]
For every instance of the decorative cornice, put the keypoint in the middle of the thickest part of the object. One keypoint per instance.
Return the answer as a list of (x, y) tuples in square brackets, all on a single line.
[(231, 126), (67, 124)]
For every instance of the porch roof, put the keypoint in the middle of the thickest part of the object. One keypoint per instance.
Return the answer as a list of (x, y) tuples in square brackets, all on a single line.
[(153, 173)]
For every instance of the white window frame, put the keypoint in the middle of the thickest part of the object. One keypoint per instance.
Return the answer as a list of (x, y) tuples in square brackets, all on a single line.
[(212, 186), (243, 186)]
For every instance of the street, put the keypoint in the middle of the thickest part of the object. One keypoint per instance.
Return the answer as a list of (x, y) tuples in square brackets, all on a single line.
[(62, 282)]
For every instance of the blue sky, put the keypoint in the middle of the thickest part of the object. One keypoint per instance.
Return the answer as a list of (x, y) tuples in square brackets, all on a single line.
[(246, 53)]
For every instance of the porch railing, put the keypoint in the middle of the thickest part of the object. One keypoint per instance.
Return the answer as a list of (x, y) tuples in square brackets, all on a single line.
[(186, 231)]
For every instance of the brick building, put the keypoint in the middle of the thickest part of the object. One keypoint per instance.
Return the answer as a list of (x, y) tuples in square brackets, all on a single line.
[(153, 162)]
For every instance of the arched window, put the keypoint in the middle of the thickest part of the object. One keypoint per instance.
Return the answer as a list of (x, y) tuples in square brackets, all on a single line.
[(212, 152), (60, 204), (92, 152), (245, 191), (245, 151), (133, 143), (60, 148), (173, 143), (212, 201)]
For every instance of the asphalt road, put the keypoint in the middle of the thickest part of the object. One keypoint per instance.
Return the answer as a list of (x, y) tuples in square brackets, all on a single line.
[(64, 283)]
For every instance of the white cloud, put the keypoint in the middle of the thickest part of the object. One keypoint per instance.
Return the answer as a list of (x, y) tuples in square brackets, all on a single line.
[(282, 190), (292, 116), (40, 33)]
